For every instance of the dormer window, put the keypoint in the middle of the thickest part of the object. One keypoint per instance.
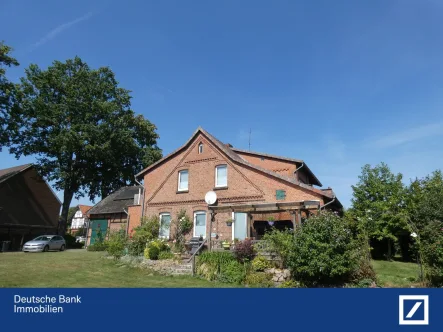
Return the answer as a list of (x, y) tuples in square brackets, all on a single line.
[(200, 148)]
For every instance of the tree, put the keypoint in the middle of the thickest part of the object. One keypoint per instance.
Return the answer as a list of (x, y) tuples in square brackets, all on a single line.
[(425, 200), (80, 126), (7, 90), (378, 203)]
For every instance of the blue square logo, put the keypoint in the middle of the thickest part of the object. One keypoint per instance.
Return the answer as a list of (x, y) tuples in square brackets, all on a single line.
[(414, 310)]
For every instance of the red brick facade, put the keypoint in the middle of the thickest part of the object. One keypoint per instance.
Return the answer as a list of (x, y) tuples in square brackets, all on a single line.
[(246, 184)]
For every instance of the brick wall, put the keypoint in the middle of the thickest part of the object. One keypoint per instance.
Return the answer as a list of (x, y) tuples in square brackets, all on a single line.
[(245, 185)]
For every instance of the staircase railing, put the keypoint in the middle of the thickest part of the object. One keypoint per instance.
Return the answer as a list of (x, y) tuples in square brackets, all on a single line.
[(193, 256)]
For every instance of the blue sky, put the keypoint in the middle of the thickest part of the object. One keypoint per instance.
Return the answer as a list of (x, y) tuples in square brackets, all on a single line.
[(336, 83)]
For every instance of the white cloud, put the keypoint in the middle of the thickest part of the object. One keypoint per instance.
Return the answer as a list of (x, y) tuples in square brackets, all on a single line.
[(413, 134), (58, 30)]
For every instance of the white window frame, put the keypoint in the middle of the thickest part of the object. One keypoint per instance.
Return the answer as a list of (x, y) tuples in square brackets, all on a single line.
[(160, 221), (216, 172), (195, 221), (179, 177), (200, 148)]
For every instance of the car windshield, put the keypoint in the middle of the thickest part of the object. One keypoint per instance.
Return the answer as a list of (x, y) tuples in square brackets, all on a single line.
[(42, 238)]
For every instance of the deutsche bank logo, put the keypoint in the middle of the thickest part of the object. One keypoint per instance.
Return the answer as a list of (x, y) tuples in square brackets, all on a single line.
[(414, 309)]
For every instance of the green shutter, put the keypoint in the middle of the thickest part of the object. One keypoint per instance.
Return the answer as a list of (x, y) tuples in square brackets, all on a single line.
[(280, 194)]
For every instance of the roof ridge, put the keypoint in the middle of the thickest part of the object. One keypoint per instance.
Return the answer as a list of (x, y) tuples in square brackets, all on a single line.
[(234, 156)]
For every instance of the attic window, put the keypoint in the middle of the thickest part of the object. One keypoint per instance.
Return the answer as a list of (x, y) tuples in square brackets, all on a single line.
[(262, 158), (200, 148)]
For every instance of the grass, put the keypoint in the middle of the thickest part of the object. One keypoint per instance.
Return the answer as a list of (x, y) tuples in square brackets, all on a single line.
[(396, 274), (79, 268)]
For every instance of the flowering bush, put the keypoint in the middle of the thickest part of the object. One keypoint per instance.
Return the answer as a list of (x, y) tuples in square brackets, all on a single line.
[(182, 226)]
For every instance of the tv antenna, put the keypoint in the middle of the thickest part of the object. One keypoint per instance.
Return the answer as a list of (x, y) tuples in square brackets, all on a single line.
[(250, 139)]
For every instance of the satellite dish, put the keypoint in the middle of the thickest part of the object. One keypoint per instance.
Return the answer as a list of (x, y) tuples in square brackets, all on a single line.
[(210, 197)]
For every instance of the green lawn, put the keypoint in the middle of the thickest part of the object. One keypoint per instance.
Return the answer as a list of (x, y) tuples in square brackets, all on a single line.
[(396, 274), (79, 268)]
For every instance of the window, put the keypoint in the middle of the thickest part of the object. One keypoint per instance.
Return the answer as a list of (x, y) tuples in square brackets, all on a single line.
[(221, 176), (200, 148), (165, 225), (183, 180), (200, 223)]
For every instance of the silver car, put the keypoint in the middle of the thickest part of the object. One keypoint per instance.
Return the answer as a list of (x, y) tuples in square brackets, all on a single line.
[(45, 243)]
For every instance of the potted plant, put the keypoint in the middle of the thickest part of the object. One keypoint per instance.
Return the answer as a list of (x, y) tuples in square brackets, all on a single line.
[(226, 245), (229, 222), (271, 221)]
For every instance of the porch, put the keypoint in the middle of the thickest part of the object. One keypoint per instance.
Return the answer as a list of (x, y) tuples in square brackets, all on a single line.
[(252, 220)]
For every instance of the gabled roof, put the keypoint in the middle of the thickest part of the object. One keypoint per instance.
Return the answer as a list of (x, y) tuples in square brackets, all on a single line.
[(116, 202), (292, 160), (10, 172), (84, 208), (236, 158)]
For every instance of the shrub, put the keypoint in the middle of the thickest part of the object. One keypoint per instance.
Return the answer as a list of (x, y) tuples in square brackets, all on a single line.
[(182, 226), (116, 244), (281, 243), (431, 244), (165, 255), (258, 280), (71, 242), (98, 246), (162, 245), (153, 252), (290, 284), (260, 263), (324, 251), (210, 263), (244, 250), (232, 272), (147, 231)]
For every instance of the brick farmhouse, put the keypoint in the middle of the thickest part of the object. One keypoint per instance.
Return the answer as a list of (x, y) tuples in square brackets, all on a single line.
[(250, 188)]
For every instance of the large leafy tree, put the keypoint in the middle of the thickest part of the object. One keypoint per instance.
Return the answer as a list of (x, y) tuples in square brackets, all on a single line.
[(378, 203), (80, 126), (425, 200), (7, 90)]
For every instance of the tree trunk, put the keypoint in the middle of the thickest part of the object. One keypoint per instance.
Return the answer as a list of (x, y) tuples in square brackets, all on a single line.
[(389, 250), (67, 199)]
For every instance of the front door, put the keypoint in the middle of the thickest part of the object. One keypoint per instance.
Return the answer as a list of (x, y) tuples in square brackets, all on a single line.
[(239, 227), (200, 224)]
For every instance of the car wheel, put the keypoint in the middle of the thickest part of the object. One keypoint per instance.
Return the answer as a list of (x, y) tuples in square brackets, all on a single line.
[(46, 249), (62, 248)]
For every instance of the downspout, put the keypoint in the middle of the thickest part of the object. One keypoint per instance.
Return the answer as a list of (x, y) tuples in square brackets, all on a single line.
[(143, 203), (333, 199), (88, 221), (302, 164), (127, 224), (295, 172)]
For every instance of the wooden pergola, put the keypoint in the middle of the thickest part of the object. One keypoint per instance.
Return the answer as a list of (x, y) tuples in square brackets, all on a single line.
[(294, 208)]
